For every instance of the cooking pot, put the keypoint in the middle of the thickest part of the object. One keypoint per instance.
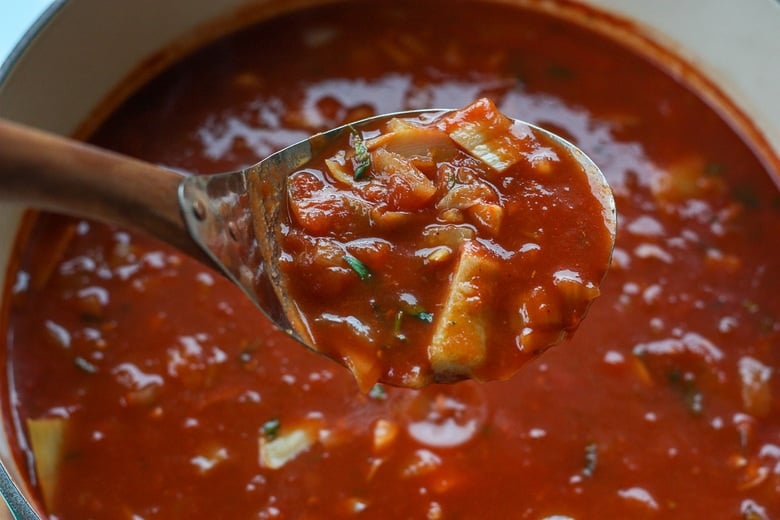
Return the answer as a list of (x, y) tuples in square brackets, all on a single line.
[(83, 56)]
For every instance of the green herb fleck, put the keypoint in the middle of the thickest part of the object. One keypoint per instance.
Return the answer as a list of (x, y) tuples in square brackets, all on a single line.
[(271, 428), (362, 159), (377, 392), (359, 267), (591, 459), (427, 317), (410, 306), (85, 365)]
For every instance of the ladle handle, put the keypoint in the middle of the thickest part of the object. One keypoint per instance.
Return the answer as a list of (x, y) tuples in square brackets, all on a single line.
[(50, 172)]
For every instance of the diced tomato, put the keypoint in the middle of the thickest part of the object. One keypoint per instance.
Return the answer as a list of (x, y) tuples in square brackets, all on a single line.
[(319, 208)]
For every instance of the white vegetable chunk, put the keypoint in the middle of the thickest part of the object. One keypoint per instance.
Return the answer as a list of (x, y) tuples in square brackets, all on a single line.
[(459, 341), (489, 135), (410, 140), (47, 437), (286, 447)]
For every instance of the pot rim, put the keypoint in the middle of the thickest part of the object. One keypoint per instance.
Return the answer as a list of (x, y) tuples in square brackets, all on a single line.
[(32, 32)]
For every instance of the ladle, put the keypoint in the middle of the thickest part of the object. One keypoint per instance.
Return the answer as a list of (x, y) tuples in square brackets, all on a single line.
[(209, 217)]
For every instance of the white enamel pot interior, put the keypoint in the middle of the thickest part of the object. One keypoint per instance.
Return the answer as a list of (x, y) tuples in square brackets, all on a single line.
[(81, 51)]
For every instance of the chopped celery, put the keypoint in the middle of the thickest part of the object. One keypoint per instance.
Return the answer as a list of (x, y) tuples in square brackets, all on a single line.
[(47, 436)]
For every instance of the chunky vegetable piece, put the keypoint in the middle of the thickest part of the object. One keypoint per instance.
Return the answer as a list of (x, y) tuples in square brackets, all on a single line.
[(47, 438), (406, 247), (278, 447), (459, 341)]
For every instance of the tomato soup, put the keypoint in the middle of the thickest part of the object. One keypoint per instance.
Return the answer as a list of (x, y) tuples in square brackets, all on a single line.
[(142, 385)]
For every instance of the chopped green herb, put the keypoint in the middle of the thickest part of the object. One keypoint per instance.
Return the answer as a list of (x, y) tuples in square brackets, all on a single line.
[(377, 392), (427, 317), (362, 159), (409, 310), (271, 428), (411, 307), (359, 267), (591, 459), (85, 365)]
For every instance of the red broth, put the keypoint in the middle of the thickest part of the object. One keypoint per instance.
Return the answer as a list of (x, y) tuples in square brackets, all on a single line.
[(172, 390)]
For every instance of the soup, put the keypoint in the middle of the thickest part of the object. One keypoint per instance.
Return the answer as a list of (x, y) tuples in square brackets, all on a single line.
[(158, 391)]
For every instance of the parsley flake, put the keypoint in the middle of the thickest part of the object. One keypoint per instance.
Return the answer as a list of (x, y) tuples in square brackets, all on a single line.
[(271, 428), (359, 267), (362, 159)]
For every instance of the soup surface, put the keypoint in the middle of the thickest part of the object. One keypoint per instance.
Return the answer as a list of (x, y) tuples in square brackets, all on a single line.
[(160, 392)]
